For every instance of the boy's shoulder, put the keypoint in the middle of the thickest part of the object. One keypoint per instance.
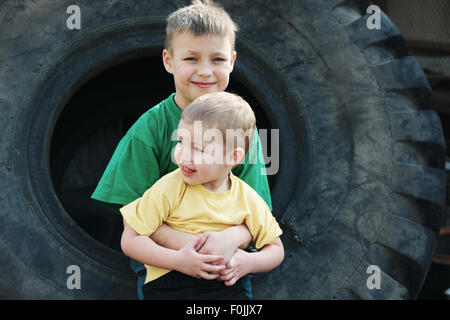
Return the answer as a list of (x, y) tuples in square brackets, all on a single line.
[(165, 112), (251, 196), (170, 187), (171, 181), (172, 177)]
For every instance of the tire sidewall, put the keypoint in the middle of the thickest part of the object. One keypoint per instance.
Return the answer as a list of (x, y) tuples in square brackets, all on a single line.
[(335, 165)]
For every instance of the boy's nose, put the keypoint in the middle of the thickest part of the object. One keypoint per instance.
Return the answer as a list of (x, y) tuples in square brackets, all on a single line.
[(204, 70), (185, 156)]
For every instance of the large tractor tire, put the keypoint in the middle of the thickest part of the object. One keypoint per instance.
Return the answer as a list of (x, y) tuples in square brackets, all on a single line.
[(360, 179)]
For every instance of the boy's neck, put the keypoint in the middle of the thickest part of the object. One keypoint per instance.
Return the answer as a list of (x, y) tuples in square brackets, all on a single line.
[(219, 185), (180, 104)]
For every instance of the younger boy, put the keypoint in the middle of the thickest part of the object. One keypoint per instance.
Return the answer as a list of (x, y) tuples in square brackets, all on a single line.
[(200, 54), (214, 135)]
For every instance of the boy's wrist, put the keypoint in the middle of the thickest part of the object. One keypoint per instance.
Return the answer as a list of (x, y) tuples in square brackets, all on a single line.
[(176, 260), (247, 262)]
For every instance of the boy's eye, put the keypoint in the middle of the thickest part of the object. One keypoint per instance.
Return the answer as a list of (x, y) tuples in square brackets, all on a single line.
[(219, 59), (189, 59)]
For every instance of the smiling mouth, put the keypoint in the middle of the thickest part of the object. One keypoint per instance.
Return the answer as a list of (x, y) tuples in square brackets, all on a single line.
[(187, 171), (204, 85)]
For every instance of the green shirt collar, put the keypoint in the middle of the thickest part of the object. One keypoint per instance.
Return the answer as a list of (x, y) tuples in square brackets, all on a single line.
[(173, 110)]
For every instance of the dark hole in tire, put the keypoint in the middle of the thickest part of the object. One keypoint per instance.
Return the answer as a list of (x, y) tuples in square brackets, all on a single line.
[(91, 125)]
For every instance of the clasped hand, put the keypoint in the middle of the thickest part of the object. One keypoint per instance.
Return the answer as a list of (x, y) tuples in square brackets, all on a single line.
[(211, 256)]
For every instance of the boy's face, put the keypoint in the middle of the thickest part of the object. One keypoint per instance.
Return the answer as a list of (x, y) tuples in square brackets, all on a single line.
[(199, 64), (200, 154)]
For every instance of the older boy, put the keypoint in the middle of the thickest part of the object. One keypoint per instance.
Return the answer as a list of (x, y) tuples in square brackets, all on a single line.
[(214, 135), (200, 54)]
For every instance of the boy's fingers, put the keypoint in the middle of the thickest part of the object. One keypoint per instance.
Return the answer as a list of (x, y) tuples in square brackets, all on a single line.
[(230, 282), (226, 277), (225, 272), (213, 269), (217, 262), (196, 241), (208, 276), (199, 243), (209, 258)]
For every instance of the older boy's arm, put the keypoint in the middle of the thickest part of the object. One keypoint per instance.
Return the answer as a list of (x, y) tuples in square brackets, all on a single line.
[(143, 249), (223, 243), (185, 260), (226, 242), (170, 238)]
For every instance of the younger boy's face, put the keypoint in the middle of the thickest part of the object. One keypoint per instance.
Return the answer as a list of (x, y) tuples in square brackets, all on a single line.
[(202, 156), (199, 64)]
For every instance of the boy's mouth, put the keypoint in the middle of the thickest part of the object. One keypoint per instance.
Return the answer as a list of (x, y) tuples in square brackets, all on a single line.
[(187, 171), (203, 85)]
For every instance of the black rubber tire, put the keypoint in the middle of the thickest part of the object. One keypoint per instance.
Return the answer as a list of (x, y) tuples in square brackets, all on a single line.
[(361, 155)]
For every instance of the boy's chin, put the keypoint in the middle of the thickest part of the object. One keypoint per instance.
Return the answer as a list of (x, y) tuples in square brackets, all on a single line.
[(189, 181), (201, 91)]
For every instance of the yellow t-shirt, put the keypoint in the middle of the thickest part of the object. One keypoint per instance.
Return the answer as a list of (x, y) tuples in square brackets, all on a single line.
[(195, 209)]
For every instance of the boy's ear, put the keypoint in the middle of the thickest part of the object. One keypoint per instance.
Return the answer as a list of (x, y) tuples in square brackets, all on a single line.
[(236, 156), (167, 61), (233, 59)]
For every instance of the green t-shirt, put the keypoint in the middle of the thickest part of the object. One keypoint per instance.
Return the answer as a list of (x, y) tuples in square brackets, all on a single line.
[(145, 154)]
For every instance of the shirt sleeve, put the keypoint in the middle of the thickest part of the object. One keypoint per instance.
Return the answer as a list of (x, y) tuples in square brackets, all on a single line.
[(147, 213), (253, 170), (262, 225), (132, 169)]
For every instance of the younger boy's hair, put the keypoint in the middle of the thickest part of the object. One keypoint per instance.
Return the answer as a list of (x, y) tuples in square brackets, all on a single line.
[(201, 17), (226, 112)]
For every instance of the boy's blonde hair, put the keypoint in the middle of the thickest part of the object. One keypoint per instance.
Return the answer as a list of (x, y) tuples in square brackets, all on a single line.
[(227, 112), (201, 17)]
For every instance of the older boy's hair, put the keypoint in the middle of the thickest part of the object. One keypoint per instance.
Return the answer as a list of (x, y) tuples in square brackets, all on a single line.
[(201, 17), (227, 112)]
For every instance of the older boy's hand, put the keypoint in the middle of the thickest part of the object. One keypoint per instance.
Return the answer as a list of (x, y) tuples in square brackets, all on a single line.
[(197, 265), (217, 243), (226, 242)]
